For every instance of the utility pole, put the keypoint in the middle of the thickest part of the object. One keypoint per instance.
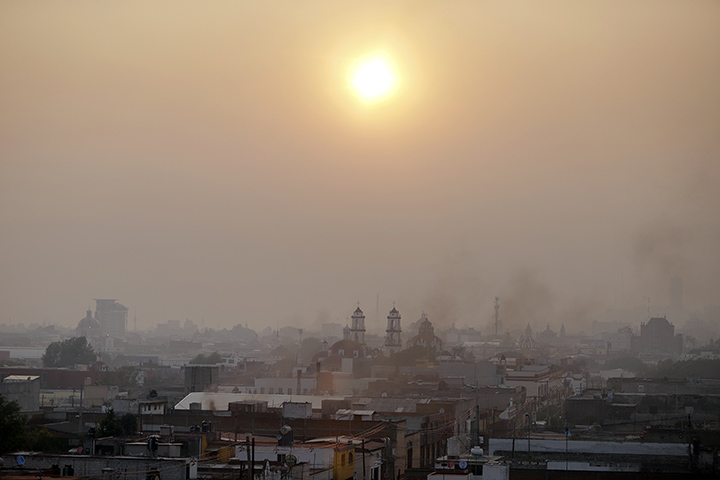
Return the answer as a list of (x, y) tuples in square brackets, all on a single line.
[(82, 388), (527, 416), (252, 472), (247, 447), (363, 454)]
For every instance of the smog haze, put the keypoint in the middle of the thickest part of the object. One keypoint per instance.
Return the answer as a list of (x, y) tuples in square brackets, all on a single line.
[(209, 160)]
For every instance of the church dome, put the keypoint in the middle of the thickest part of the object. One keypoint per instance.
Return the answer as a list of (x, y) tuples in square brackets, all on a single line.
[(88, 326), (426, 335), (340, 349)]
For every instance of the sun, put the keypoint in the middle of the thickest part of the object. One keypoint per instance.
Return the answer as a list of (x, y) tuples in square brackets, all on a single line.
[(374, 79)]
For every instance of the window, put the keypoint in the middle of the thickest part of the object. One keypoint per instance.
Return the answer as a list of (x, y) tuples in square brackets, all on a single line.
[(351, 458), (342, 460), (476, 470), (289, 391), (280, 391)]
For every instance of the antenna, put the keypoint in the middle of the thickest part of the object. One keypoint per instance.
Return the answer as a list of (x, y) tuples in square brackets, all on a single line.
[(377, 313), (497, 314)]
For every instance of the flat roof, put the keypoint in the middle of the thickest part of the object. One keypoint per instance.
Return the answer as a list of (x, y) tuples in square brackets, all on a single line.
[(220, 400)]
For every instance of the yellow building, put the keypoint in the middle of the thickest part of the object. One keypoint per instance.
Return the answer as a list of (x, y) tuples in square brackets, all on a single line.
[(344, 462)]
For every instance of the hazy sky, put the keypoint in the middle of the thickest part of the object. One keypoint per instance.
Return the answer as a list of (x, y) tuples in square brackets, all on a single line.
[(207, 160)]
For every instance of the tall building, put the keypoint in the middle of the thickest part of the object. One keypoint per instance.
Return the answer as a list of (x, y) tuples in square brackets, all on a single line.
[(393, 332), (657, 336), (357, 327), (112, 317), (676, 295)]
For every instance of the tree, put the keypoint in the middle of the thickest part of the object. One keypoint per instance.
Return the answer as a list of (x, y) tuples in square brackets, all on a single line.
[(68, 352), (12, 426), (110, 425), (114, 426), (128, 424), (42, 440)]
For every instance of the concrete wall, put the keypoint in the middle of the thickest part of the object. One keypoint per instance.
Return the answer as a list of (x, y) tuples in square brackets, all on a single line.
[(629, 406), (54, 378), (26, 393), (282, 386), (92, 466), (97, 395), (474, 373), (297, 410), (596, 448), (125, 405), (674, 386), (200, 377), (317, 458)]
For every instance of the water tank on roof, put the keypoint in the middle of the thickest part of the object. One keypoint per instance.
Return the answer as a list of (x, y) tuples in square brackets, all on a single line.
[(477, 451)]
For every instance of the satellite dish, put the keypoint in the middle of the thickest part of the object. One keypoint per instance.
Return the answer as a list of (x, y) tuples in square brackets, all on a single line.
[(442, 410), (20, 460), (463, 464), (285, 429), (291, 460), (279, 436)]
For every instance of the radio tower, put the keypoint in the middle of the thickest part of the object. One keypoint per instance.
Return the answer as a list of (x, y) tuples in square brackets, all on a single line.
[(497, 315)]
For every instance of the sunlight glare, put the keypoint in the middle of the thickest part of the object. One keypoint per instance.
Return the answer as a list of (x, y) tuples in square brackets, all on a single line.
[(373, 79)]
